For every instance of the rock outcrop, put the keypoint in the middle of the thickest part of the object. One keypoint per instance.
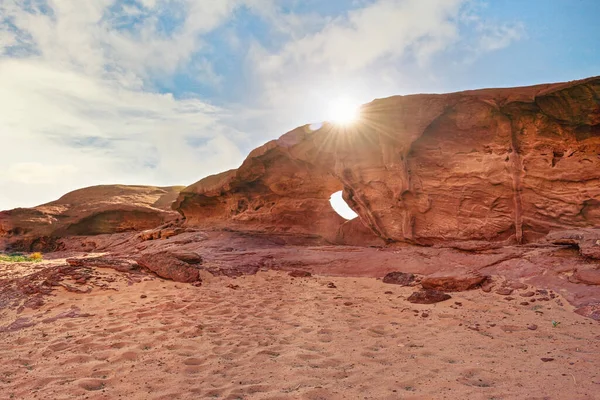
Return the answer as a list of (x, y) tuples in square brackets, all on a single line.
[(500, 165), (86, 212)]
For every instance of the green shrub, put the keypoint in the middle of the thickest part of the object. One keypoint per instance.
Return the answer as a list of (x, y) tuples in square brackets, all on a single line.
[(17, 258)]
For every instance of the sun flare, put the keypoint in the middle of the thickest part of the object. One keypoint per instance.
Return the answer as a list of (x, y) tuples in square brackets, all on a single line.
[(343, 111)]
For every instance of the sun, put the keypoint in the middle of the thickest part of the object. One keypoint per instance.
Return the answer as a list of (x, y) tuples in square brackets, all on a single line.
[(343, 111)]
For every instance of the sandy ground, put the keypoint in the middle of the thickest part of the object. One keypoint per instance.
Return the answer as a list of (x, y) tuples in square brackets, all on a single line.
[(270, 336)]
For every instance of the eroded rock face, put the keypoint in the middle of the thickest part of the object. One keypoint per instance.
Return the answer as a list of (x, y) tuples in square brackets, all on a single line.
[(428, 296), (456, 282), (179, 266), (494, 165), (90, 211)]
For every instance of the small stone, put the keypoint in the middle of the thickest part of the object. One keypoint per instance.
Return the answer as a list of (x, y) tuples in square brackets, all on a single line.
[(509, 298), (544, 299), (300, 274), (473, 327), (527, 294), (524, 303), (492, 325), (143, 296), (458, 303), (425, 315), (331, 285), (232, 286), (532, 327), (504, 291), (347, 303), (547, 359), (389, 292)]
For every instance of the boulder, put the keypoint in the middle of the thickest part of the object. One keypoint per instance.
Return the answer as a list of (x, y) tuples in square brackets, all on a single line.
[(452, 282), (177, 266), (428, 296), (399, 278)]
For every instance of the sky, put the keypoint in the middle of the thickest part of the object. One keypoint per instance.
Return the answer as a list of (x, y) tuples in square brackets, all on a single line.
[(166, 92)]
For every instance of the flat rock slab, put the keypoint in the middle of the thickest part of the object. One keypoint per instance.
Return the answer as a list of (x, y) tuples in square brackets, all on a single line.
[(118, 264), (178, 266), (589, 277), (452, 283), (399, 278), (428, 296)]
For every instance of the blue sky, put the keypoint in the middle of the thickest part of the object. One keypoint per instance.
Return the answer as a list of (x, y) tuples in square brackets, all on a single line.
[(165, 92)]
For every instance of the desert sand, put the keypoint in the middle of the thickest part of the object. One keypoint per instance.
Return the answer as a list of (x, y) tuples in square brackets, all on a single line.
[(271, 336)]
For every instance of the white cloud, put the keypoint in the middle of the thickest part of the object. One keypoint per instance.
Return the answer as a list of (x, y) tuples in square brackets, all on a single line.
[(77, 82)]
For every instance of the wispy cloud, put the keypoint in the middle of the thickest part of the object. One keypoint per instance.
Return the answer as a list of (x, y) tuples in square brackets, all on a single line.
[(82, 83)]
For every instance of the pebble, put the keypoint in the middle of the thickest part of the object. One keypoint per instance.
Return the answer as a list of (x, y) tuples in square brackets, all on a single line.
[(331, 285), (532, 327), (524, 303), (425, 315), (547, 359), (143, 296), (527, 294)]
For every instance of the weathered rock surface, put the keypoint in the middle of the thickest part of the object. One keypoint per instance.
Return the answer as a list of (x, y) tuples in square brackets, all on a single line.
[(586, 240), (180, 266), (428, 296), (493, 165), (455, 282), (399, 278), (90, 211), (118, 264)]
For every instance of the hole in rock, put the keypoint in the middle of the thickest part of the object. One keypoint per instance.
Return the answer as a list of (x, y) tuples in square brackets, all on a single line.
[(340, 206)]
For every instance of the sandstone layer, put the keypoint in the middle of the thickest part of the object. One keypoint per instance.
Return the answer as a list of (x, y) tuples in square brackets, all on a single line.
[(493, 165), (87, 212)]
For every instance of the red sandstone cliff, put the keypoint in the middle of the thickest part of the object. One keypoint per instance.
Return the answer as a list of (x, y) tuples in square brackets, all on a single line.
[(492, 165), (90, 211)]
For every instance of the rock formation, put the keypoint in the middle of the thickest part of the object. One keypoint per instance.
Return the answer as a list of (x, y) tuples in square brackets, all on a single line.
[(499, 165), (85, 212)]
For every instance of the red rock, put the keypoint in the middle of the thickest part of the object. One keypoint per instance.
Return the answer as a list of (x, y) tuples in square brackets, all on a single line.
[(589, 277), (425, 315), (586, 240), (90, 211), (504, 291), (232, 286), (399, 278), (527, 294), (452, 282), (118, 264), (547, 359), (515, 285), (300, 274), (178, 266), (524, 303), (591, 311), (331, 285), (516, 164), (428, 296), (532, 327)]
